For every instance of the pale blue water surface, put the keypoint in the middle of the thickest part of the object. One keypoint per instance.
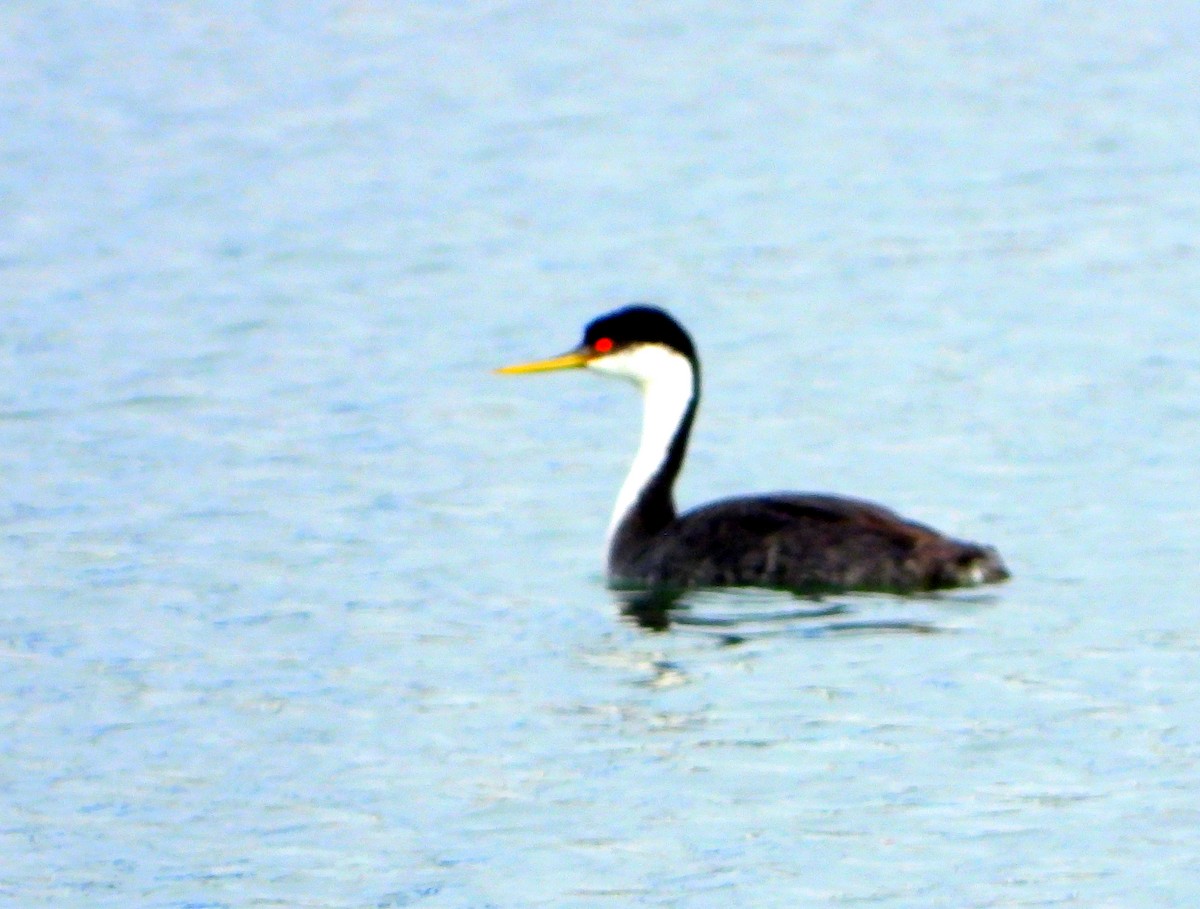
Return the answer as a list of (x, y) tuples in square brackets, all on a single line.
[(302, 606)]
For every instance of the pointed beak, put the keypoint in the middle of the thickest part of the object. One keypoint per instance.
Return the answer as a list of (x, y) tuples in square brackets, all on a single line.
[(576, 359)]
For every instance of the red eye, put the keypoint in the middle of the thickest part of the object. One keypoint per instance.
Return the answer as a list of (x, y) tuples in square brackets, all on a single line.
[(603, 345)]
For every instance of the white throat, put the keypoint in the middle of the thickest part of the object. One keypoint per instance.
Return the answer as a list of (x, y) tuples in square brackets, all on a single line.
[(665, 379)]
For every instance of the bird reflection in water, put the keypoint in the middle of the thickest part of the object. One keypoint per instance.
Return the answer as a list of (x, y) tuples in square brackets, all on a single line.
[(657, 609)]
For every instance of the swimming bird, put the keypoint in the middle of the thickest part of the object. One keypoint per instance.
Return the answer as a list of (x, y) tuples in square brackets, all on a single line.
[(803, 542)]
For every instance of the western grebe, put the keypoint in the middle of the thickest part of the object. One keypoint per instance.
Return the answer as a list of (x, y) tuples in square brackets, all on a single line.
[(802, 542)]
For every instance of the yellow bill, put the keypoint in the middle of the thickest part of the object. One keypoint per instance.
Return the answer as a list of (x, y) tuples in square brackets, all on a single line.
[(573, 360)]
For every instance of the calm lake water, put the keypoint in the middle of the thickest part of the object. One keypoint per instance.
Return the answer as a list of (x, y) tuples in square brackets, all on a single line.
[(302, 606)]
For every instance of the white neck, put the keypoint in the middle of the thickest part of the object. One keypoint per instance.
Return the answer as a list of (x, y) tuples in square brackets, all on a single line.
[(666, 381)]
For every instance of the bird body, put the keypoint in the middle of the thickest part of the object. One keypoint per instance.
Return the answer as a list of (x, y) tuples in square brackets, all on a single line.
[(802, 542)]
